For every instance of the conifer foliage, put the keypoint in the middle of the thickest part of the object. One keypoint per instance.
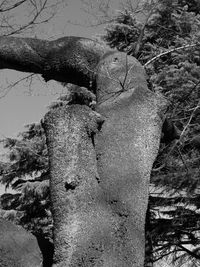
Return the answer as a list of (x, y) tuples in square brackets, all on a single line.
[(26, 172)]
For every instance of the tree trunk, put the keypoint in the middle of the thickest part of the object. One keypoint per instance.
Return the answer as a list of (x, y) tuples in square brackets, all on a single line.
[(126, 149), (99, 176), (75, 190), (100, 172)]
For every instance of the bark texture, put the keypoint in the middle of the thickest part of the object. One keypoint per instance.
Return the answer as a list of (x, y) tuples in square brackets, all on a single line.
[(99, 170), (100, 177), (75, 191), (69, 59), (126, 148)]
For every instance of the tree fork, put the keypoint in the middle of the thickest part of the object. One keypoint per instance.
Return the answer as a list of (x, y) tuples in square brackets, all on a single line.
[(99, 172), (99, 181)]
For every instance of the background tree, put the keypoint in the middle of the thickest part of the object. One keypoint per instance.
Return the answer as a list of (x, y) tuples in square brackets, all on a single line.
[(26, 172), (167, 43)]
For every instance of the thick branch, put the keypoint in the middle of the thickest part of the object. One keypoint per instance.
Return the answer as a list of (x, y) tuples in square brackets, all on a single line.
[(68, 59)]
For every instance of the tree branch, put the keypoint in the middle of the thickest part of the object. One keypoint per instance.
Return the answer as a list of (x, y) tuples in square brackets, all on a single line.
[(168, 52), (12, 6), (191, 253), (68, 59)]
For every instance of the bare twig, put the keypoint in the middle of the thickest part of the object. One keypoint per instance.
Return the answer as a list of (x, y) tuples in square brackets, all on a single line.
[(184, 130), (189, 121), (8, 88), (139, 41), (12, 6), (184, 163), (32, 21), (168, 52), (37, 12)]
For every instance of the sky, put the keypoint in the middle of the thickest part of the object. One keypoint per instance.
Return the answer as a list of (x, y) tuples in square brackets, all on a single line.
[(24, 104)]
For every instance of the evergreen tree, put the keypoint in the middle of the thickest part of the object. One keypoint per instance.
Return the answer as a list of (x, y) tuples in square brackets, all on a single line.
[(26, 172)]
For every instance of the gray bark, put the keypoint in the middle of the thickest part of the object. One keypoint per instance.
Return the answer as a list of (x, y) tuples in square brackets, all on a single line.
[(100, 163), (68, 59), (105, 227), (126, 149), (75, 190)]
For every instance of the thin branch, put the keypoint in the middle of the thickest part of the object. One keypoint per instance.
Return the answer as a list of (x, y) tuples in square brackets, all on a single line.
[(32, 21), (168, 52), (191, 117), (12, 7), (184, 163), (162, 256), (139, 41), (184, 130), (191, 253), (14, 84)]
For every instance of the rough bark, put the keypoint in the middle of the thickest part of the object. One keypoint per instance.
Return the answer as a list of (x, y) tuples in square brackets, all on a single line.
[(68, 59), (99, 175), (75, 191), (126, 149), (100, 214)]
